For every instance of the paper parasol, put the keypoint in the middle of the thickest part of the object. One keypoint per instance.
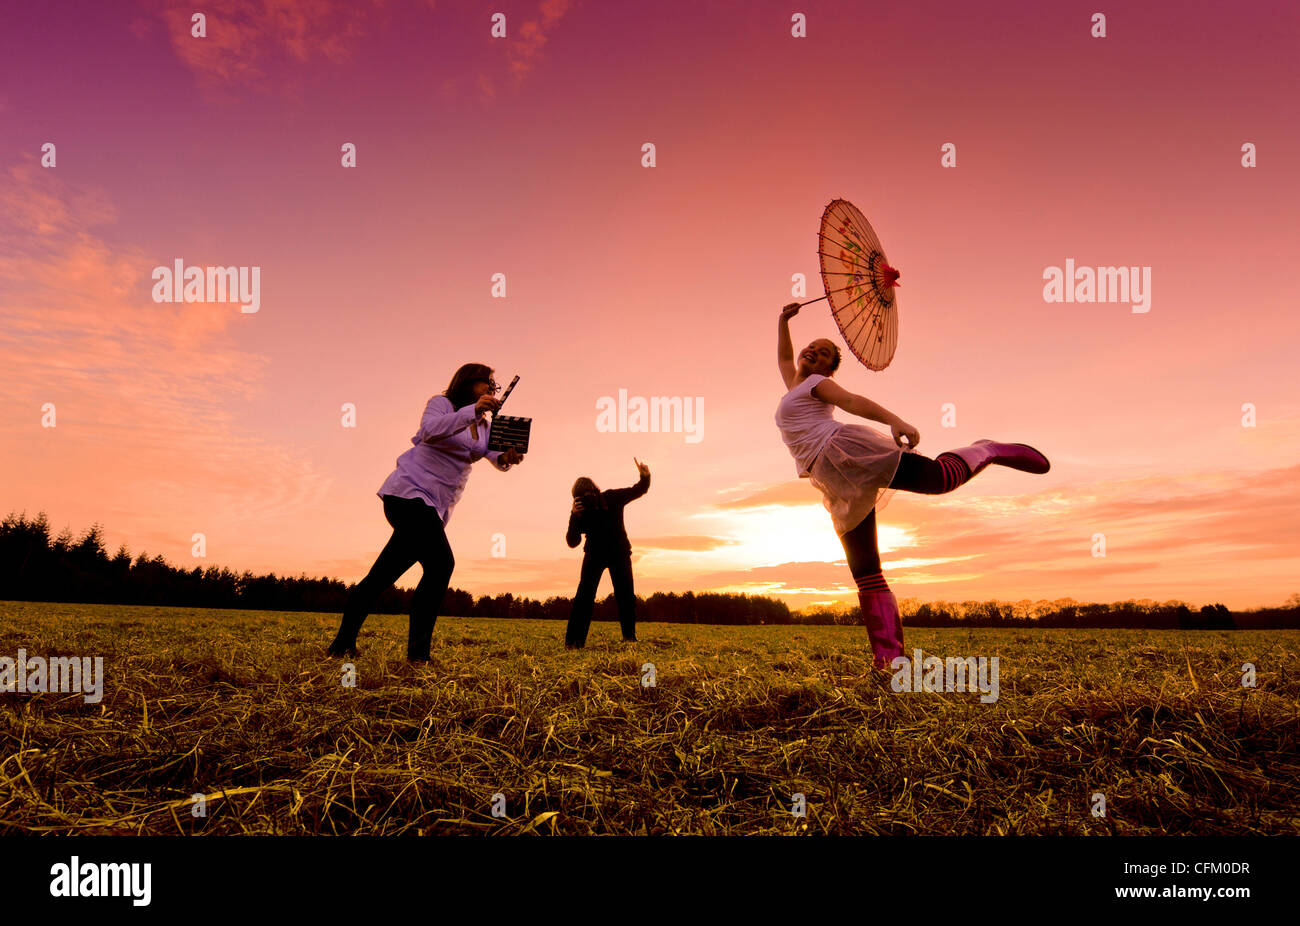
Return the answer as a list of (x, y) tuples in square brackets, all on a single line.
[(860, 284)]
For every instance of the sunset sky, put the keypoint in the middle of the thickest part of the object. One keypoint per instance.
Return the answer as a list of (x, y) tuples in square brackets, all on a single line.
[(523, 156)]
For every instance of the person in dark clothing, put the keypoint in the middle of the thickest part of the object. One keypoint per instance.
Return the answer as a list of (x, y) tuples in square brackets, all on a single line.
[(599, 515)]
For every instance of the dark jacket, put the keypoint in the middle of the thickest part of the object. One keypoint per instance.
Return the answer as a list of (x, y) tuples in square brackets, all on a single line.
[(602, 520)]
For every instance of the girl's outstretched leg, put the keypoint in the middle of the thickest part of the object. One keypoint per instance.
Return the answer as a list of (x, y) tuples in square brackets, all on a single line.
[(918, 473), (880, 614)]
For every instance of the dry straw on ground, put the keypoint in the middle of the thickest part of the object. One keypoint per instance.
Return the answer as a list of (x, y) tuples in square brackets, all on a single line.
[(244, 708)]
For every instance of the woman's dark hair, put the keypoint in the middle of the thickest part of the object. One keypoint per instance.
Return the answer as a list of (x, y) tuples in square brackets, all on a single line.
[(461, 388), (835, 364), (584, 486)]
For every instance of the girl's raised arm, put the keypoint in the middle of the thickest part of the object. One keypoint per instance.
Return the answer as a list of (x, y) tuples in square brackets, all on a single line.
[(784, 349)]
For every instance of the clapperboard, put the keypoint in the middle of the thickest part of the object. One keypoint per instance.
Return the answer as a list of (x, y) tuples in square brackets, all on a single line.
[(508, 432)]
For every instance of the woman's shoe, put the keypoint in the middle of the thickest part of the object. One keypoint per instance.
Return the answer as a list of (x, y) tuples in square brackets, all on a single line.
[(1017, 456)]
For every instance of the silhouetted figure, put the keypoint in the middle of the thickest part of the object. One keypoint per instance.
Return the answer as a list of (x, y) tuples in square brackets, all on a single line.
[(419, 496), (599, 515)]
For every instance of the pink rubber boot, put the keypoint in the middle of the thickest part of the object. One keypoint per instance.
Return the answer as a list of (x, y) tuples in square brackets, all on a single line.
[(1017, 456), (884, 625)]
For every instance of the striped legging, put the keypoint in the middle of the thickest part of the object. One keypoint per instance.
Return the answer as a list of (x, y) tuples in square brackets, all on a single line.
[(916, 473)]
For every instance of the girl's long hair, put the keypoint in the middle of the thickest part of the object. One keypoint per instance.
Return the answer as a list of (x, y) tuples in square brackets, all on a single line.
[(461, 388)]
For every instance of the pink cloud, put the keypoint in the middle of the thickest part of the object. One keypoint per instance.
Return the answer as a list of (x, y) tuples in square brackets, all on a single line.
[(525, 49), (248, 39), (800, 492), (696, 542), (1175, 530), (145, 435)]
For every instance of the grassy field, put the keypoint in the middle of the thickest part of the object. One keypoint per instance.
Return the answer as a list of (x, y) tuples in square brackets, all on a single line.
[(245, 708)]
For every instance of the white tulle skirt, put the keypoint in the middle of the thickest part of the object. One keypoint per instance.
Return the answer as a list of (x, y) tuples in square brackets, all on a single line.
[(853, 472)]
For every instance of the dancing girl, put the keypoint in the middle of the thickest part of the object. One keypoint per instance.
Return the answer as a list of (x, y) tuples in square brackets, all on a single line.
[(599, 515), (418, 498), (855, 467)]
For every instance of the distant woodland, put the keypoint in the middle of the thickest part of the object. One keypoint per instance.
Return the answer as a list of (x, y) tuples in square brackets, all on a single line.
[(36, 566)]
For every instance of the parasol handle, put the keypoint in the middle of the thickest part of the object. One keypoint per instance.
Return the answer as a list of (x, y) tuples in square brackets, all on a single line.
[(889, 273)]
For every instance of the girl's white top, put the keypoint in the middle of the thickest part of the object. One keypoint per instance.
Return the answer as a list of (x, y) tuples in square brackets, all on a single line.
[(806, 423), (436, 468)]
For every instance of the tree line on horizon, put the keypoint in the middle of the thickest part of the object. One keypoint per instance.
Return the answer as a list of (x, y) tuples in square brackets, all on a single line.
[(37, 566)]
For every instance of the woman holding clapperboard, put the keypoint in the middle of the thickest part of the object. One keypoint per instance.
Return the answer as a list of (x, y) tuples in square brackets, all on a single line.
[(419, 496)]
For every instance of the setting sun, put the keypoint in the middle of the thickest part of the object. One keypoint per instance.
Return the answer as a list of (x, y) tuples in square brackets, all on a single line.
[(776, 534)]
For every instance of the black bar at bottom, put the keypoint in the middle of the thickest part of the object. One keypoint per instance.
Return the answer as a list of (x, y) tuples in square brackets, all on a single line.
[(658, 876)]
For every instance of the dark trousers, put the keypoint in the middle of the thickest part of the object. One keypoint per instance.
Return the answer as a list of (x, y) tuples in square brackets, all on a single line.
[(418, 536), (916, 473), (594, 564)]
